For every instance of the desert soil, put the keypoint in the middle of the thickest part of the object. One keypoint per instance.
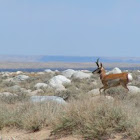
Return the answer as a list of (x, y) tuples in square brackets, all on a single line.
[(44, 134)]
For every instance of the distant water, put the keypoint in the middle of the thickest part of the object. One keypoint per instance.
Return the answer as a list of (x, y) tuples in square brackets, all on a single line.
[(60, 69)]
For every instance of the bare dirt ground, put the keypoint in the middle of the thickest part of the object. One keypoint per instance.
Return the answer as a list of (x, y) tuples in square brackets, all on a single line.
[(44, 134)]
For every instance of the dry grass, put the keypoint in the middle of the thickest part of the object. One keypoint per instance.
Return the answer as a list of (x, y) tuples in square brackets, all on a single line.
[(91, 117), (28, 116)]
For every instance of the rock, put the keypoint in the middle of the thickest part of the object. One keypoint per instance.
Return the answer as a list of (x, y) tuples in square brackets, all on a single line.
[(9, 80), (18, 89), (103, 98), (19, 72), (56, 70), (81, 75), (41, 85), (114, 71), (133, 89), (58, 81), (49, 71), (47, 98), (21, 77), (94, 83), (94, 92), (109, 98), (35, 92), (40, 73), (86, 71), (139, 78), (68, 73), (15, 88), (7, 94), (5, 74)]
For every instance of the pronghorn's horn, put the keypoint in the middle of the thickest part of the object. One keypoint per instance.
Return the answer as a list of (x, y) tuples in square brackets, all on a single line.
[(101, 64), (97, 62)]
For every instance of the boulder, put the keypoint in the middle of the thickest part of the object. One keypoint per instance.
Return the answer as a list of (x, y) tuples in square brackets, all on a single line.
[(47, 98), (133, 89), (41, 85), (5, 74), (49, 71), (68, 73), (81, 75), (40, 73), (7, 94), (94, 83), (14, 88), (114, 71), (94, 92), (58, 81), (21, 77), (103, 98), (86, 71), (9, 80), (35, 92), (19, 72), (109, 98)]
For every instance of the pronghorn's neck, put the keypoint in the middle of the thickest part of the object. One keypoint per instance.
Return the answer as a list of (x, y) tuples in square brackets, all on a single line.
[(103, 73)]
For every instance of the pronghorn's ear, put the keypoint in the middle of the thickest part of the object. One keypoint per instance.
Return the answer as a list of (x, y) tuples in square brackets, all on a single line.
[(101, 64)]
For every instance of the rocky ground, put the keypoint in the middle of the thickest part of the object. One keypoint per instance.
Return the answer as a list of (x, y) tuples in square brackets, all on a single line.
[(28, 91)]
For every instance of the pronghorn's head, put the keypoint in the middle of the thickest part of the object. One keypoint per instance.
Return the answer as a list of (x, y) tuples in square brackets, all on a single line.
[(99, 67)]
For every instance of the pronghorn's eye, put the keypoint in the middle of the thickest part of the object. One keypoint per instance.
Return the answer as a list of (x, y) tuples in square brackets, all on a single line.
[(99, 71)]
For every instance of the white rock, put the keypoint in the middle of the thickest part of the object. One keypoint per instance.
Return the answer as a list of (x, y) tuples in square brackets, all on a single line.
[(103, 98), (81, 75), (139, 78), (94, 83), (19, 72), (133, 89), (6, 74), (35, 92), (86, 71), (48, 98), (49, 71), (56, 70), (114, 71), (7, 94), (15, 88), (109, 98), (9, 80), (21, 77), (58, 81), (94, 92), (40, 73), (68, 73), (40, 85)]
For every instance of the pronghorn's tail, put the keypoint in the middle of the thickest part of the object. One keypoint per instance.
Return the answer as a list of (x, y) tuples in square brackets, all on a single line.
[(130, 78)]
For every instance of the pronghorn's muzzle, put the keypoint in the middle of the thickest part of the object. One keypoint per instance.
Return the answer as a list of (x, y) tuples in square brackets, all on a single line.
[(96, 71)]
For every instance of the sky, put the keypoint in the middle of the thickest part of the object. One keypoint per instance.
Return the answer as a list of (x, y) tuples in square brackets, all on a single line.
[(70, 27)]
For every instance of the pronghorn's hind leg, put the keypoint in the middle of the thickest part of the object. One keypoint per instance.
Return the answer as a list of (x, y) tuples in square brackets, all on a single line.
[(105, 90), (125, 86), (101, 89)]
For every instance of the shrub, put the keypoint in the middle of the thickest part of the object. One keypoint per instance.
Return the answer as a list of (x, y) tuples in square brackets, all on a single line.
[(92, 119)]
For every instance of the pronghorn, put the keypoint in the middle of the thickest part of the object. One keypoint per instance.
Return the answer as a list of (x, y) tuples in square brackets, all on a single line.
[(112, 80)]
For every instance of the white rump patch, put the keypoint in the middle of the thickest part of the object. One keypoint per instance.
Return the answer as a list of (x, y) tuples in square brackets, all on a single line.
[(130, 78)]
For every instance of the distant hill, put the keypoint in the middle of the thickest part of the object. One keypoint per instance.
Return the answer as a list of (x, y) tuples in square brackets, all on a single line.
[(43, 58)]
